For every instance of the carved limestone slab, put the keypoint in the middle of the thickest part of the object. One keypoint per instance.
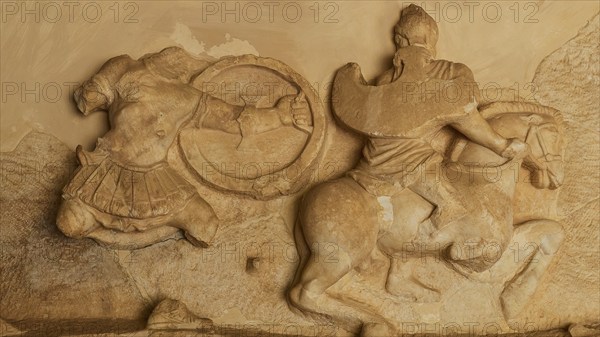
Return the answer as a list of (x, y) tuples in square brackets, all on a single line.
[(204, 209)]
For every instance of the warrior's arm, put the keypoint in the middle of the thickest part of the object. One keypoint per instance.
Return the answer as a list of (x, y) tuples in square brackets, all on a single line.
[(473, 125), (477, 129), (97, 93), (246, 120), (218, 115)]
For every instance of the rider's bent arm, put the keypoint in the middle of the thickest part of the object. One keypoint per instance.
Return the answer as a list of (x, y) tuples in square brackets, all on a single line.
[(478, 130), (218, 115)]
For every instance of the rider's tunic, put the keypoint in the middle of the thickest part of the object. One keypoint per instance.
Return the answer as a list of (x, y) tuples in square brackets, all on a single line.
[(388, 165)]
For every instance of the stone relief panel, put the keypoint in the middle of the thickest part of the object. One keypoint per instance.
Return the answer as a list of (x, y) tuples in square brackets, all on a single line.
[(199, 212)]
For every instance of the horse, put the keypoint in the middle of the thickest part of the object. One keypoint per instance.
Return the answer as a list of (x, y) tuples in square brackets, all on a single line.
[(341, 213)]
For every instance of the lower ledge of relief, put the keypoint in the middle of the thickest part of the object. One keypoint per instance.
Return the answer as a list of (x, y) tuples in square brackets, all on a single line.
[(124, 328), (172, 318)]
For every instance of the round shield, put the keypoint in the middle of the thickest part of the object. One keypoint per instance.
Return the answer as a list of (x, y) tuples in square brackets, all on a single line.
[(255, 143)]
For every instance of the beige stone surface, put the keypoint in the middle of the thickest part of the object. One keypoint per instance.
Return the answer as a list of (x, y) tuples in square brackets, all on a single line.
[(242, 279), (40, 280), (44, 51), (568, 80)]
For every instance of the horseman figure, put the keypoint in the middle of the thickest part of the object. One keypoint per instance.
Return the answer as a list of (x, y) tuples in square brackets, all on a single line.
[(386, 201)]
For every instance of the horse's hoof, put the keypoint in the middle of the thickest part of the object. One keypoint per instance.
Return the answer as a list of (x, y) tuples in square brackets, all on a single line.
[(409, 291), (195, 242), (305, 304), (376, 330)]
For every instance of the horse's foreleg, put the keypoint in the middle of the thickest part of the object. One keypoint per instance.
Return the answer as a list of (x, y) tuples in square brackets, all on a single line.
[(533, 248), (320, 272)]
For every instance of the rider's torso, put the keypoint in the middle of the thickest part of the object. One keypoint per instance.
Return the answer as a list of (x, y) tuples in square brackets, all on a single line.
[(390, 158), (393, 158)]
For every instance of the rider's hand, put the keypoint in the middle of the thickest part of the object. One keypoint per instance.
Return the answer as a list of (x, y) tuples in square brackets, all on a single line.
[(284, 109), (294, 110), (301, 111), (516, 149)]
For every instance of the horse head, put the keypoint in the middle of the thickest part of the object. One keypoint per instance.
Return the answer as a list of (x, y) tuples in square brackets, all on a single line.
[(541, 128), (545, 159)]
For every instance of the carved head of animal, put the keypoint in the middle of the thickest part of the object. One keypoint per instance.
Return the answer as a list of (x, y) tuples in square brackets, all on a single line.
[(542, 130), (545, 159)]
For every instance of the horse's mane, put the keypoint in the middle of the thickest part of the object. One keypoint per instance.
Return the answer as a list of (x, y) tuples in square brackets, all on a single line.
[(494, 109)]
